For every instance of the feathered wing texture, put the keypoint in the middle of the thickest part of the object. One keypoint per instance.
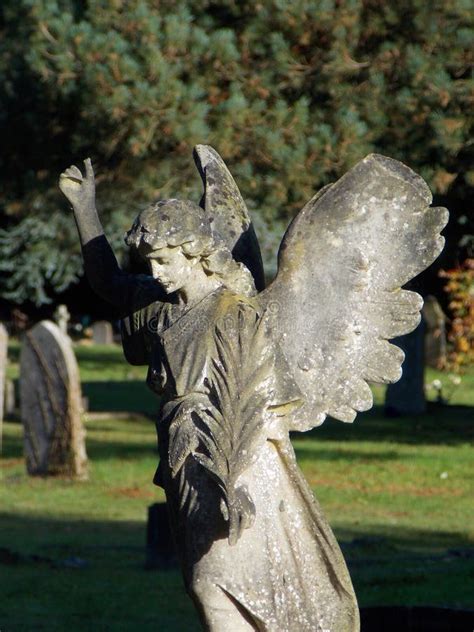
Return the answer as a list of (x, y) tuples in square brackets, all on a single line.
[(224, 203), (337, 300)]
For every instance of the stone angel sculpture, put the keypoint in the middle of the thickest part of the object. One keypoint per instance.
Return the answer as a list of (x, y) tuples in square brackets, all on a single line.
[(239, 366)]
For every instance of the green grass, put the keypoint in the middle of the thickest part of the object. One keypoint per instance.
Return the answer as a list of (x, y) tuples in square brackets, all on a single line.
[(101, 524), (398, 493)]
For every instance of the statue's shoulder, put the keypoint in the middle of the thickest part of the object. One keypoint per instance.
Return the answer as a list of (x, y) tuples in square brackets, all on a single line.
[(222, 310), (231, 304)]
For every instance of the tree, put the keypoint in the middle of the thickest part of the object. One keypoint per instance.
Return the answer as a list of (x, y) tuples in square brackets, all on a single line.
[(291, 95)]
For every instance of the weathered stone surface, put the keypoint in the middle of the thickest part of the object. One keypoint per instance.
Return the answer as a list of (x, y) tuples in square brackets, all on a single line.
[(102, 333), (50, 399), (337, 293), (230, 217), (435, 335), (238, 370), (3, 368)]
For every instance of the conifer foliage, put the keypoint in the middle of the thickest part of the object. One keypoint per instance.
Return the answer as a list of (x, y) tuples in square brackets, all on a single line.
[(291, 94)]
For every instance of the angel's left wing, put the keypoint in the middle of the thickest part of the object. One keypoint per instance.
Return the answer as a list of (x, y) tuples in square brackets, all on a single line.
[(336, 300), (230, 217)]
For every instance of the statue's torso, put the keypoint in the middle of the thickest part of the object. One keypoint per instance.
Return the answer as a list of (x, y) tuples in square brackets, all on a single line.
[(287, 547)]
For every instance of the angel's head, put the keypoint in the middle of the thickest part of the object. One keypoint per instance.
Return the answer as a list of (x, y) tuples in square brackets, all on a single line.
[(176, 238)]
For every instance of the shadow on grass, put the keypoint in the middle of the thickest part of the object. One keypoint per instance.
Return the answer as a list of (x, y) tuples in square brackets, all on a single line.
[(85, 575), (102, 450), (101, 564), (126, 395), (311, 452), (99, 354), (448, 425)]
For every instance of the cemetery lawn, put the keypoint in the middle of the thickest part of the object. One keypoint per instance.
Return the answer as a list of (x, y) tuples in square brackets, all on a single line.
[(398, 493)]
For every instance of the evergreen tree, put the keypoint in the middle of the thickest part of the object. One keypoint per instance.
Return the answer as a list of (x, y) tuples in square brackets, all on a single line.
[(291, 94)]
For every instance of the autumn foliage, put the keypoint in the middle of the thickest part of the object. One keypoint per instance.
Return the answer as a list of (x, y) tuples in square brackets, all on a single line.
[(291, 94), (460, 289)]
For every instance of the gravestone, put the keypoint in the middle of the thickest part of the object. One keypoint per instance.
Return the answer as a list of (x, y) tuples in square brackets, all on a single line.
[(50, 399), (3, 368), (407, 396), (102, 333), (62, 317), (160, 547), (435, 336)]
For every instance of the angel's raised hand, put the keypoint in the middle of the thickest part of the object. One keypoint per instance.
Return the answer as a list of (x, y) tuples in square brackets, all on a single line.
[(79, 189)]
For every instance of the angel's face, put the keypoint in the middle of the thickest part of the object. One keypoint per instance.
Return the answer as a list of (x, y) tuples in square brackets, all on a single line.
[(171, 267)]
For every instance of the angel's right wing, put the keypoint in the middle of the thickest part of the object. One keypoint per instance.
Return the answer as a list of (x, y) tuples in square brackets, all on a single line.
[(336, 300)]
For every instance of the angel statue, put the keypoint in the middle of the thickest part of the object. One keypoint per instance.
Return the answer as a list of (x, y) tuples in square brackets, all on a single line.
[(238, 366)]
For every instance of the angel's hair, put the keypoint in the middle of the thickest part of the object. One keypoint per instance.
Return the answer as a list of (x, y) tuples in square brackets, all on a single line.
[(172, 223)]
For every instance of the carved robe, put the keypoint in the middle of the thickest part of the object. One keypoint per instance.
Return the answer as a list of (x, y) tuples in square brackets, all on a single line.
[(286, 571)]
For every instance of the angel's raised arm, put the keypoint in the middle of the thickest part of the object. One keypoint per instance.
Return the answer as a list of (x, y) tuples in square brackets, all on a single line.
[(127, 292)]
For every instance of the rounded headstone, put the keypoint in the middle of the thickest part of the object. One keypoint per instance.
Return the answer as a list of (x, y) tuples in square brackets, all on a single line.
[(435, 337), (50, 398), (102, 333), (407, 396)]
